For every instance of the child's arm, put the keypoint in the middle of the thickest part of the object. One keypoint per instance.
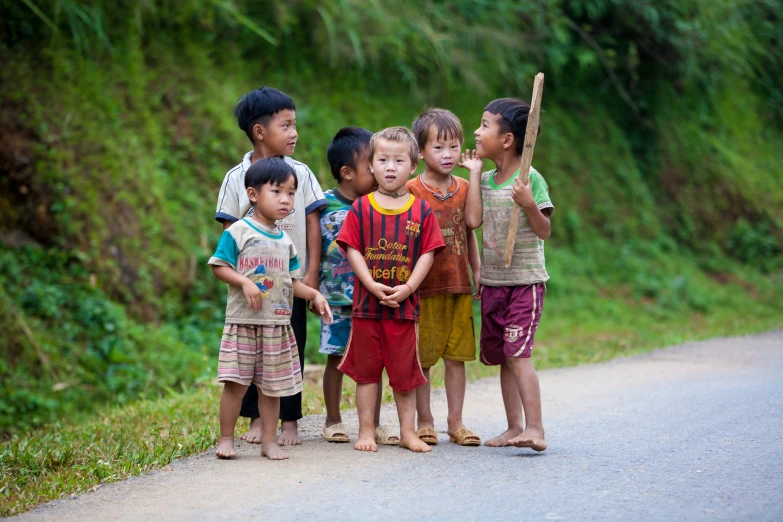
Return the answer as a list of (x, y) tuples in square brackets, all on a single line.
[(313, 235), (474, 258), (473, 206), (317, 301), (231, 277), (403, 291), (363, 275), (538, 219)]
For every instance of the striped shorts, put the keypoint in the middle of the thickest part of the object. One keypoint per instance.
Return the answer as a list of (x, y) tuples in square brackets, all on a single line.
[(264, 355)]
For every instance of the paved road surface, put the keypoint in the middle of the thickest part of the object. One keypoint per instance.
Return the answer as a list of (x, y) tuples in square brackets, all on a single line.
[(693, 432)]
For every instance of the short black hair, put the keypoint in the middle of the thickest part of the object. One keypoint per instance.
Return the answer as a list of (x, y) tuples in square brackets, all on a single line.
[(258, 106), (345, 147), (274, 171), (513, 118)]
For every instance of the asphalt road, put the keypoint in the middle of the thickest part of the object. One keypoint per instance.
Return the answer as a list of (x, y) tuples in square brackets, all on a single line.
[(693, 432)]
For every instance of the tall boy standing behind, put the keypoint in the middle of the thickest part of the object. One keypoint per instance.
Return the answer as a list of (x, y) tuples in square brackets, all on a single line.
[(446, 322), (348, 156), (268, 117), (512, 298)]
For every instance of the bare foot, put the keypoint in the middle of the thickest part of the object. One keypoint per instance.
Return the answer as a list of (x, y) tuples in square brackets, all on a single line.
[(503, 439), (366, 442), (225, 448), (414, 443), (530, 438), (253, 435), (273, 452), (289, 434)]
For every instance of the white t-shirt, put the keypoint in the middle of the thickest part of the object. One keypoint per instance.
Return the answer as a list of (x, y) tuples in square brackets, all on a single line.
[(268, 258), (233, 205)]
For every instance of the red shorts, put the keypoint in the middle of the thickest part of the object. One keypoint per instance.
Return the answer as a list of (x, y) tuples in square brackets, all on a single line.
[(376, 344), (509, 318)]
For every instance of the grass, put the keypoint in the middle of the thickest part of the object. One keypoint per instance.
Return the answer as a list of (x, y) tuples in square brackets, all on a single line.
[(65, 459)]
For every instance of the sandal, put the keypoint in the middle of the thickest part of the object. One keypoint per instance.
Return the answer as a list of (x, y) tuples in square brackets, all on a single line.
[(465, 437), (384, 435), (428, 435), (336, 433)]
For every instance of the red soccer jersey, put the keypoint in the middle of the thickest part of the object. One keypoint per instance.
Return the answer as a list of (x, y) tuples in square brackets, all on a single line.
[(391, 241)]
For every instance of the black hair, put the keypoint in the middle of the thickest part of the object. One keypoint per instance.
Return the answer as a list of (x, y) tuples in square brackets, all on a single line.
[(513, 118), (345, 147), (259, 106), (274, 171)]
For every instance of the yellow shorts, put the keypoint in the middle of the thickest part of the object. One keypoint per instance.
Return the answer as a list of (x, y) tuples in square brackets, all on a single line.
[(446, 329)]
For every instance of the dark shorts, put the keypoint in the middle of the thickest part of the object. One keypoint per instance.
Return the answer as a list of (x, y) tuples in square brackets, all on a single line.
[(376, 344), (509, 318)]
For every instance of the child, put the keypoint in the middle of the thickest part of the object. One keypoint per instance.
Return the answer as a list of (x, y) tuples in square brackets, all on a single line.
[(350, 166), (259, 263), (512, 298), (391, 239), (268, 117), (446, 323)]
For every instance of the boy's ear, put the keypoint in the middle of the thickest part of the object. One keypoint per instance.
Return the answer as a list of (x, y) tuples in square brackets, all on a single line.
[(346, 173), (258, 132), (508, 140), (252, 195), (421, 154)]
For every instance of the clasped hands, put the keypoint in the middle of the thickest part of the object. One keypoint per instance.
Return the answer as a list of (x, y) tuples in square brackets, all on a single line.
[(391, 297)]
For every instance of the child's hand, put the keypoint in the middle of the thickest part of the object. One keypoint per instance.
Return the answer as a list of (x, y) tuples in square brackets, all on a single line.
[(321, 307), (253, 295), (380, 291), (399, 294), (471, 161), (523, 194), (477, 286)]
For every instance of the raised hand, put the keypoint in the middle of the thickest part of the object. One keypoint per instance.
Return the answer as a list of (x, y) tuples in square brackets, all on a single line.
[(470, 160)]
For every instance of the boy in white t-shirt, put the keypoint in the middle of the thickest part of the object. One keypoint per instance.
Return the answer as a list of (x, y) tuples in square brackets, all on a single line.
[(260, 264), (268, 117)]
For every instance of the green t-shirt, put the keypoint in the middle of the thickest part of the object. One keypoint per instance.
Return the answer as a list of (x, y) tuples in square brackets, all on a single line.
[(527, 262)]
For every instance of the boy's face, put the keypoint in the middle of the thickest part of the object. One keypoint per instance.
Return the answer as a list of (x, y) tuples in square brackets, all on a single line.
[(273, 202), (490, 140), (360, 179), (279, 135), (440, 155), (392, 165)]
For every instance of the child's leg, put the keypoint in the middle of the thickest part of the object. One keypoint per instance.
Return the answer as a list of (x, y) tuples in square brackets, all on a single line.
[(425, 418), (291, 407), (250, 410), (230, 403), (366, 399), (456, 381), (378, 404), (406, 410), (333, 390), (527, 381), (270, 411), (513, 405)]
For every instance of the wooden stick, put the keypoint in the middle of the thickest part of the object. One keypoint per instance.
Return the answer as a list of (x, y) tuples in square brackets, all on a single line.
[(531, 133)]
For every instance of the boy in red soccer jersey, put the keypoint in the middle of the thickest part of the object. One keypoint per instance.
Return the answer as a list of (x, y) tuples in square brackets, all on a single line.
[(391, 239)]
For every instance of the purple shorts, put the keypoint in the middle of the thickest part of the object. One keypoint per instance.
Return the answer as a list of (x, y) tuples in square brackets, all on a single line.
[(509, 318)]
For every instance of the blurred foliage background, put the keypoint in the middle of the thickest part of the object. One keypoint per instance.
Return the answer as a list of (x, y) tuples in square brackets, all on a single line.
[(661, 138)]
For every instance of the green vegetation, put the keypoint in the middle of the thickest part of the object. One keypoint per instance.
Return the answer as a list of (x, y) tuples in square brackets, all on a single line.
[(660, 141)]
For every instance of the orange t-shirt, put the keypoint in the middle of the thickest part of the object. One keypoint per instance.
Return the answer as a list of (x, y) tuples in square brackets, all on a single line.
[(449, 273)]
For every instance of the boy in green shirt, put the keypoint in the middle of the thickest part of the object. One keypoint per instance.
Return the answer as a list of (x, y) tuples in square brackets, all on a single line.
[(512, 298)]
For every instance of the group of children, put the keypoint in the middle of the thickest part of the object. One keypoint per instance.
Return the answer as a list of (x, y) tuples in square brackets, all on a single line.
[(392, 266)]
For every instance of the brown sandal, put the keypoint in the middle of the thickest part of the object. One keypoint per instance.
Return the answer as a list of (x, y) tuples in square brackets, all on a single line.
[(465, 437), (428, 435)]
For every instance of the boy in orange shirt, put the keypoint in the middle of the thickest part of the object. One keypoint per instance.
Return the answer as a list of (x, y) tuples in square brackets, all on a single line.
[(446, 323)]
